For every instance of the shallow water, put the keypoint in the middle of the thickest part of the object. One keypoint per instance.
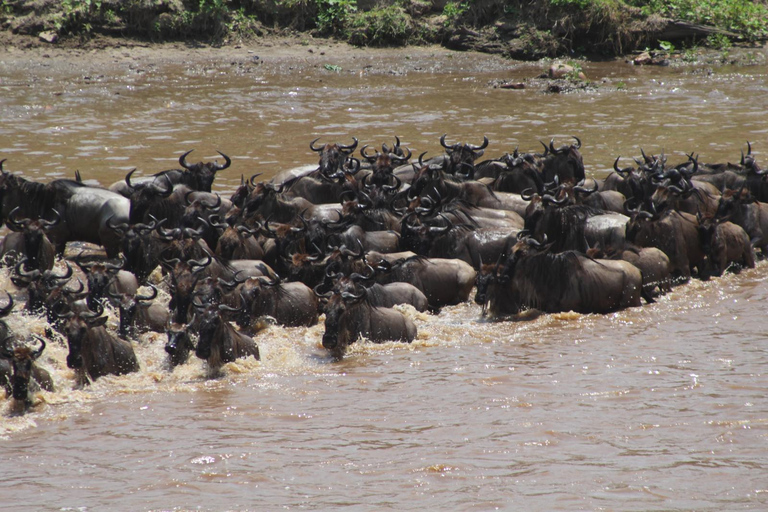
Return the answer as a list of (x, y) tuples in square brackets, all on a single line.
[(654, 408)]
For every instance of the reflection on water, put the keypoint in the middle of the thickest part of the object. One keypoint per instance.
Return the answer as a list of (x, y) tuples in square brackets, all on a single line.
[(654, 408)]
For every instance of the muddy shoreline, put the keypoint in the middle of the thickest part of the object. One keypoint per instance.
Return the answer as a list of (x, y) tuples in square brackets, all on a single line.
[(292, 54)]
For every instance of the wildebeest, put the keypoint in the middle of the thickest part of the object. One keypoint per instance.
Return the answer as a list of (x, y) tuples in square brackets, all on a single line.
[(84, 210), (219, 342), (349, 316), (740, 207), (104, 276), (197, 176), (725, 244), (533, 277), (141, 247), (673, 232), (444, 281), (140, 313), (378, 295), (179, 344), (26, 377), (565, 162), (290, 304), (462, 156), (29, 241), (93, 351)]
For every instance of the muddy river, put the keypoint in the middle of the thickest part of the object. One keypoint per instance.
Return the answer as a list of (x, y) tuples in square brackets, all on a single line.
[(660, 407)]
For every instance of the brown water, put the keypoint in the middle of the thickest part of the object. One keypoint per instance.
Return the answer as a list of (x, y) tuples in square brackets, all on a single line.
[(655, 408)]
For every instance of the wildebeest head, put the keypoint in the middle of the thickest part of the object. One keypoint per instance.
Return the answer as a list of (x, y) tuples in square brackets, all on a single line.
[(565, 162), (139, 248), (143, 197), (34, 232), (241, 193), (22, 359), (178, 345), (76, 327), (384, 163), (209, 319), (184, 277), (40, 284), (202, 174), (332, 157), (335, 338), (128, 306), (100, 275), (461, 154)]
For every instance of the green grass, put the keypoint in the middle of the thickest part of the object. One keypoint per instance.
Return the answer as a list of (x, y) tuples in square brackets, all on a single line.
[(744, 17)]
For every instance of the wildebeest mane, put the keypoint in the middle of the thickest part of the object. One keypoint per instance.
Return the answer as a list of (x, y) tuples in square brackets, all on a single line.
[(34, 199)]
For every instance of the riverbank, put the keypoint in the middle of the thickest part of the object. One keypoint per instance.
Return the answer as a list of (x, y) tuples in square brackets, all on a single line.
[(591, 29)]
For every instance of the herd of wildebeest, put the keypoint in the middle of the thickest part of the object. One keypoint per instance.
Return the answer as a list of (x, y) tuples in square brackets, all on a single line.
[(352, 238)]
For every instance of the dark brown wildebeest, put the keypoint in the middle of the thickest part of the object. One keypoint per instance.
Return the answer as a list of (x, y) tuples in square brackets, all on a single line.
[(290, 304), (349, 316), (378, 295), (29, 241), (220, 343), (673, 232), (25, 377), (179, 344), (93, 351), (84, 210), (740, 207), (140, 313), (461, 156), (725, 244), (444, 281), (532, 277), (564, 162), (197, 176), (141, 247)]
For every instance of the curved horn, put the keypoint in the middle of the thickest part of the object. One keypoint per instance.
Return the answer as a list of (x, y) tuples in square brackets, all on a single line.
[(442, 142), (578, 142), (67, 273), (320, 294), (481, 146), (48, 224), (151, 296), (164, 192), (37, 353), (527, 194), (252, 178), (220, 167), (366, 156), (318, 149), (199, 265), (550, 199), (346, 149), (183, 160), (14, 223), (128, 178)]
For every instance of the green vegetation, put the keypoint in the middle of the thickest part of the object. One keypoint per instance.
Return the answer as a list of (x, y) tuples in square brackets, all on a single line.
[(390, 26), (517, 28), (744, 17)]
